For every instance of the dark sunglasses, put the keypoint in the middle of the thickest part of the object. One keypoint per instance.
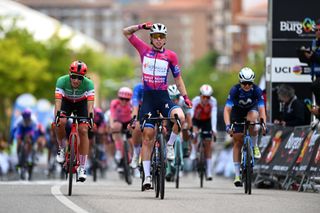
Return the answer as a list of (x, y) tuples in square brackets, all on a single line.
[(124, 99), (79, 77), (246, 83), (158, 35), (317, 30), (205, 97)]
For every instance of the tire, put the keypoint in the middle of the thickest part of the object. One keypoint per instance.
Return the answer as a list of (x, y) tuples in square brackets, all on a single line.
[(201, 163), (142, 176), (126, 167), (162, 172), (178, 163), (156, 171), (23, 163), (249, 168), (71, 162), (94, 162)]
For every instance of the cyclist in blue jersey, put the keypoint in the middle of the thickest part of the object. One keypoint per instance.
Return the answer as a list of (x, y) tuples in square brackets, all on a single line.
[(245, 100), (137, 98), (26, 132), (156, 63)]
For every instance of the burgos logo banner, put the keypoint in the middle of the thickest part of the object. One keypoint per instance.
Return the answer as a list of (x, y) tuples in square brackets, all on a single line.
[(306, 28)]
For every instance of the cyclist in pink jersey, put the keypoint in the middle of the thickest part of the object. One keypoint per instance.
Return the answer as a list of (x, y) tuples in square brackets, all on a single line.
[(120, 117), (156, 62)]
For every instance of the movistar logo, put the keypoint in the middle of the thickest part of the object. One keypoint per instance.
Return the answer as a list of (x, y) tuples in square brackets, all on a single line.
[(243, 102)]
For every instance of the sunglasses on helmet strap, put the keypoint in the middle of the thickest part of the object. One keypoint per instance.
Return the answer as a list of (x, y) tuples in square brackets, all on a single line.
[(246, 83), (79, 77), (158, 35)]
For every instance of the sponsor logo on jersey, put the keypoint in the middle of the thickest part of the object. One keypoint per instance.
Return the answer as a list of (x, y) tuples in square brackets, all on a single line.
[(157, 67), (245, 102)]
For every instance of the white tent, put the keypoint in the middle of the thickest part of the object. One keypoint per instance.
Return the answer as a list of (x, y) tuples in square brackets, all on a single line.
[(43, 26)]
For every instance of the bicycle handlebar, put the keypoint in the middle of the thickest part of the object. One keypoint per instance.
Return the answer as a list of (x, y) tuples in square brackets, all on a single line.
[(159, 119), (73, 117), (248, 123)]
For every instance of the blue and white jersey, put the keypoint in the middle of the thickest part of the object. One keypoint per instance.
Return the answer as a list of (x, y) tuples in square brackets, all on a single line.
[(137, 95), (242, 99)]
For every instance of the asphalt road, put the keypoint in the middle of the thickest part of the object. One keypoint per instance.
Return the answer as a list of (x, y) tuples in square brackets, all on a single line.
[(114, 195)]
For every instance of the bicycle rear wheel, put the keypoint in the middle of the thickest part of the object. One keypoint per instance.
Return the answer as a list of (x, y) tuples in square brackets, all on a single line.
[(126, 167), (71, 161)]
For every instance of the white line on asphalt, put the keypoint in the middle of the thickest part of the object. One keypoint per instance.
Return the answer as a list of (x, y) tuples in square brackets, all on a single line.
[(55, 190)]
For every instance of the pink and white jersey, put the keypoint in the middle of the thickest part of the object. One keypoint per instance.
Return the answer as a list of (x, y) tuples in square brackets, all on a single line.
[(155, 65), (121, 113)]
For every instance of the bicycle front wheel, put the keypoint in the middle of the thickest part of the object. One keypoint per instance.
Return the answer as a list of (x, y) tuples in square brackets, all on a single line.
[(127, 173), (248, 169), (162, 172), (71, 161), (178, 162), (201, 163)]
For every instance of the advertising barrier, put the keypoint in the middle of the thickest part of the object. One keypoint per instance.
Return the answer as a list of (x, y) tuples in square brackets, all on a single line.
[(290, 156)]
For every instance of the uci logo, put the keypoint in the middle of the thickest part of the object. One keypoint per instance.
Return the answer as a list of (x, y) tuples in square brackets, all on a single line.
[(283, 69)]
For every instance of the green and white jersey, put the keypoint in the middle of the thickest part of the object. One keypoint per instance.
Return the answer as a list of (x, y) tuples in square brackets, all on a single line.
[(65, 90)]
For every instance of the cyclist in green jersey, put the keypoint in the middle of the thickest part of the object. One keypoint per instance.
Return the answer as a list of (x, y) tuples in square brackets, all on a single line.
[(74, 94)]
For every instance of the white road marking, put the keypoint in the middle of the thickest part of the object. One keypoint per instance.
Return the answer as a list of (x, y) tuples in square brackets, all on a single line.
[(55, 190)]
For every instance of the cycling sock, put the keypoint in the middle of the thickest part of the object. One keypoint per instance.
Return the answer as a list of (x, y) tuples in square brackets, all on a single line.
[(83, 161), (236, 168), (172, 138), (146, 168), (255, 140), (209, 166)]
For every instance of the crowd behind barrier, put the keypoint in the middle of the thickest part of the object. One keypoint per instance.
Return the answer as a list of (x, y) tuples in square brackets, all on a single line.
[(290, 158)]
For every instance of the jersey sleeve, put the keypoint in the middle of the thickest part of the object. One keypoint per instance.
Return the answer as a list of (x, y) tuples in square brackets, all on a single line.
[(140, 45), (195, 102), (137, 95), (231, 96), (59, 93), (259, 97), (214, 114), (174, 65), (90, 89)]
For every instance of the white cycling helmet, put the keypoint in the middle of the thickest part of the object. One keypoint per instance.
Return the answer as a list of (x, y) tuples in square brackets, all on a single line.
[(173, 91), (158, 28), (206, 90), (246, 74)]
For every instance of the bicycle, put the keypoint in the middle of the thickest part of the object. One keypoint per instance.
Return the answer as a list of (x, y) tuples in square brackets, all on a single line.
[(201, 159), (72, 161), (26, 158), (247, 156), (95, 154), (177, 164), (158, 157), (126, 158)]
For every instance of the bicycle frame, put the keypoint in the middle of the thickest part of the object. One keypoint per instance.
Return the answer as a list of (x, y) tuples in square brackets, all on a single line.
[(158, 157), (247, 156), (72, 161), (201, 161)]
